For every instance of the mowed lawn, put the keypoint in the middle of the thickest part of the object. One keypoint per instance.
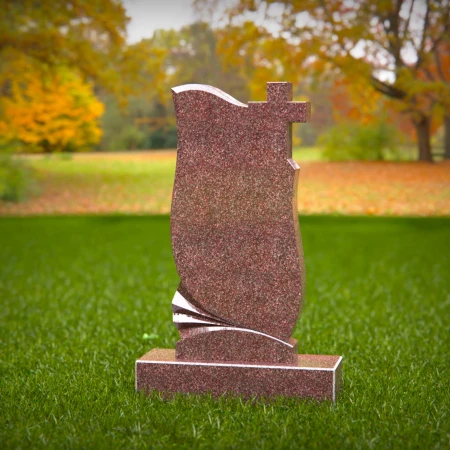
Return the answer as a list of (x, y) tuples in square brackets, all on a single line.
[(78, 294), (142, 183)]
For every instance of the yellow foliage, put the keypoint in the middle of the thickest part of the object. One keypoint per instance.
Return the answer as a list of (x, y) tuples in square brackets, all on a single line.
[(50, 111), (85, 35), (354, 101)]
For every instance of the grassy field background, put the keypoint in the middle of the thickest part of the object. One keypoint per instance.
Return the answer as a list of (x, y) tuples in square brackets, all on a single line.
[(141, 182), (78, 294)]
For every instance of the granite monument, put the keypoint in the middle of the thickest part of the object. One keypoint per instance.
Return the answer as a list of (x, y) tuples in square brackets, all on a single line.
[(238, 252)]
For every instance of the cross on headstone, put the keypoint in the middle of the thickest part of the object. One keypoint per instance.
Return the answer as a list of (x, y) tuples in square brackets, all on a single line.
[(278, 113), (279, 103)]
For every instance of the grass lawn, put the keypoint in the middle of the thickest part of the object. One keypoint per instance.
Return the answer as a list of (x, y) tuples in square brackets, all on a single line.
[(141, 182), (78, 294)]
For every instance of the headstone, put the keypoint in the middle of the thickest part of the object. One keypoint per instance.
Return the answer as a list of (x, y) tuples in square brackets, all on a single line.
[(238, 251)]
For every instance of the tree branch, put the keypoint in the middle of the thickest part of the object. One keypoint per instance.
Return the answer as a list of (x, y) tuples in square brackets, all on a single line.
[(387, 89), (408, 20), (422, 42), (439, 67), (444, 33)]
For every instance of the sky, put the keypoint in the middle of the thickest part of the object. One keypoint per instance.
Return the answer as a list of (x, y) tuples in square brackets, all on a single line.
[(149, 15)]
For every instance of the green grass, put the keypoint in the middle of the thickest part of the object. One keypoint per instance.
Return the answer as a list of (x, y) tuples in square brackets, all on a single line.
[(307, 154), (77, 295), (111, 181), (145, 173), (110, 169)]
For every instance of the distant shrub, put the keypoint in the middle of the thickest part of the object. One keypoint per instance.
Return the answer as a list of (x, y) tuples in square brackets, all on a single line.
[(171, 138), (156, 139), (163, 138), (65, 156), (352, 141), (131, 138), (16, 179)]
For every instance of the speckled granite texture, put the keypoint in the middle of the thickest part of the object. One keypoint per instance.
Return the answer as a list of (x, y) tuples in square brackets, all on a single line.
[(314, 376), (222, 344), (234, 223)]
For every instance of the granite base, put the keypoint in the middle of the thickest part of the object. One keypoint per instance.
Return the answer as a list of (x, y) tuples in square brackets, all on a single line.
[(316, 376)]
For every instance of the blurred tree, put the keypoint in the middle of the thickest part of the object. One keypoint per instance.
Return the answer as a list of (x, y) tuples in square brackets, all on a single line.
[(436, 84), (322, 112), (168, 59), (113, 121), (352, 102), (85, 35), (193, 57), (383, 43), (142, 68), (49, 110), (256, 55)]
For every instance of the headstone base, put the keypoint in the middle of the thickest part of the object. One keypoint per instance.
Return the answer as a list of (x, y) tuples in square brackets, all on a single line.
[(316, 376)]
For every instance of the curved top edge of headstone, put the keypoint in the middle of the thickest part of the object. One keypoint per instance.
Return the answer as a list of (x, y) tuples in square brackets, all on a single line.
[(210, 90)]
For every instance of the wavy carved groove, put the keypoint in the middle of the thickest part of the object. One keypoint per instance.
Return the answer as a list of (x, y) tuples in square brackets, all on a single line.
[(186, 315)]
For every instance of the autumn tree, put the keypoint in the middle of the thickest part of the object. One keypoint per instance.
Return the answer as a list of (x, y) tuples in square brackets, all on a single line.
[(167, 59), (193, 56), (257, 55), (49, 110), (383, 43), (84, 35), (64, 47), (435, 83)]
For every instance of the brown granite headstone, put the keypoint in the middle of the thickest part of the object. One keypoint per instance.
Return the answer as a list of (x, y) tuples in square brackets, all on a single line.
[(237, 248)]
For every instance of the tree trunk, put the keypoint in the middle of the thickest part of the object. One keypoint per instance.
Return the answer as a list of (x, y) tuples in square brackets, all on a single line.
[(423, 138), (447, 137)]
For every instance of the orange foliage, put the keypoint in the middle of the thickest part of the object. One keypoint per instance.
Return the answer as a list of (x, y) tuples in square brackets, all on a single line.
[(85, 35), (257, 56), (355, 102), (49, 111), (352, 100), (434, 79)]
